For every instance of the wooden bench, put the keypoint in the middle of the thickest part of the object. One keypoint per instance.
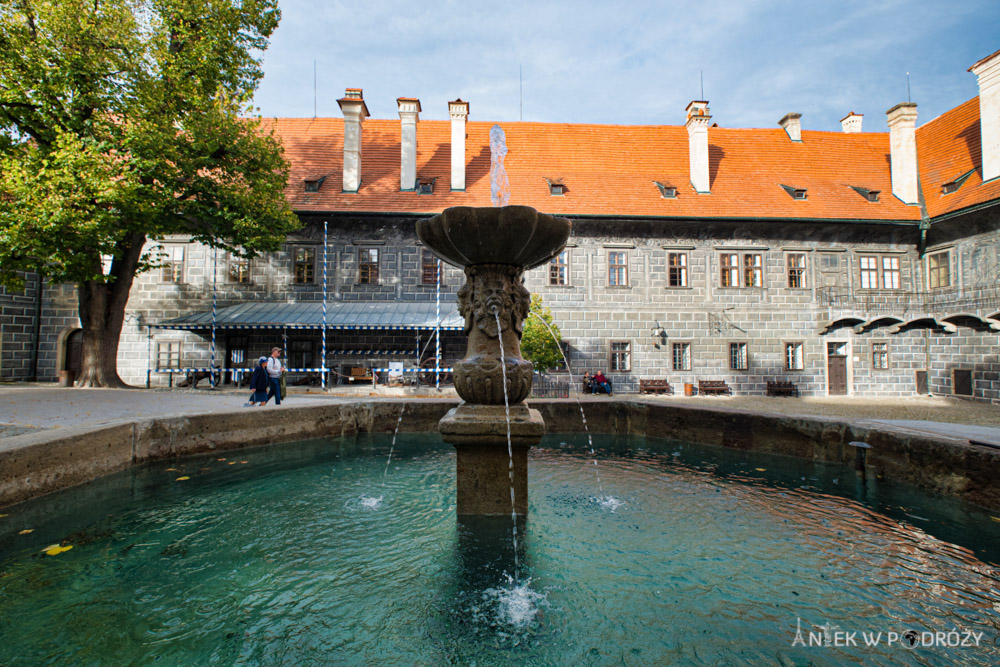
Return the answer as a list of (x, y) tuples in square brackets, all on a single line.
[(778, 388), (710, 387), (655, 387), (360, 375)]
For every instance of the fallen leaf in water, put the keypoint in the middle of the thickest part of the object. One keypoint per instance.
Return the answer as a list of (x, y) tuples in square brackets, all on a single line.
[(172, 470), (220, 459), (232, 463), (996, 518), (761, 469), (56, 549), (244, 462), (26, 531), (3, 515), (182, 478)]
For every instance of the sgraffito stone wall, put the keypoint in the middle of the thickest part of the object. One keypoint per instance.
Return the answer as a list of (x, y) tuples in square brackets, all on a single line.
[(645, 313)]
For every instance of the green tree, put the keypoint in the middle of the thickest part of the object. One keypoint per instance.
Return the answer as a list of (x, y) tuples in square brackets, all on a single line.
[(120, 122), (539, 345)]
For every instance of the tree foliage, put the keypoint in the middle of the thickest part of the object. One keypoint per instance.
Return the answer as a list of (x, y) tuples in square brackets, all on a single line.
[(120, 121), (539, 345)]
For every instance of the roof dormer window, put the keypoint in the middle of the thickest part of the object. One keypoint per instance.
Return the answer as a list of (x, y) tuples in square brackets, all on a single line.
[(666, 191), (796, 193), (425, 186), (952, 186), (313, 184), (556, 187), (870, 195)]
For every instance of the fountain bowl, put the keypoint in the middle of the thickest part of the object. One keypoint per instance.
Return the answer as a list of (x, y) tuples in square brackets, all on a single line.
[(511, 235)]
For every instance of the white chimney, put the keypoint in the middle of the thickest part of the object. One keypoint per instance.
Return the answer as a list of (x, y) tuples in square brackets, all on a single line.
[(851, 123), (988, 71), (902, 120), (409, 114), (459, 112), (698, 118), (355, 112), (792, 125)]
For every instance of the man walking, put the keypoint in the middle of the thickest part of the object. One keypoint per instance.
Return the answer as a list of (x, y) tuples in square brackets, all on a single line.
[(274, 371)]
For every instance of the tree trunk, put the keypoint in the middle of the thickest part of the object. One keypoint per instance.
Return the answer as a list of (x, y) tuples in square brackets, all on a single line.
[(102, 312)]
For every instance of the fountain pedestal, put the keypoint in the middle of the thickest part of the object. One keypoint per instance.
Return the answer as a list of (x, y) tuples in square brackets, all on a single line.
[(483, 463), (495, 246)]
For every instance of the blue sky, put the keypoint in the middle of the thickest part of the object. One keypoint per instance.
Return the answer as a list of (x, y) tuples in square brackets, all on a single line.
[(631, 62)]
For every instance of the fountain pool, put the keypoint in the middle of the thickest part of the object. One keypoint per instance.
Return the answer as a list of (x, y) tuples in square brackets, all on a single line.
[(298, 554)]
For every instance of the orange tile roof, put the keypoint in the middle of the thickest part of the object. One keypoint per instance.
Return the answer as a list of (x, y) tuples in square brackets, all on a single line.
[(949, 147), (608, 170)]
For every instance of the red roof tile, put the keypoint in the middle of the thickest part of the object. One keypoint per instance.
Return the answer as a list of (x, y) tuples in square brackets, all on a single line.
[(609, 169), (949, 147)]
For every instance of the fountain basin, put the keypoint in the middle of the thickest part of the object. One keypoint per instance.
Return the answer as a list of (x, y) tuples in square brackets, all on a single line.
[(511, 235), (306, 553)]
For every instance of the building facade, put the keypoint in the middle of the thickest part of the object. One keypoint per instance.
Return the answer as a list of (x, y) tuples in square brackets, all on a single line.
[(857, 263)]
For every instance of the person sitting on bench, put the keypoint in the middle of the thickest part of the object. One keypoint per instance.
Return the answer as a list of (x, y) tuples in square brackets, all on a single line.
[(601, 384)]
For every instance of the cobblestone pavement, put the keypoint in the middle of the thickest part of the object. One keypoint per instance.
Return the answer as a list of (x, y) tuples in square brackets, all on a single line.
[(26, 406)]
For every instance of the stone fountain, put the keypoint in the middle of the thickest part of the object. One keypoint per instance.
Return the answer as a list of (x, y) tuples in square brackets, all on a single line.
[(494, 246)]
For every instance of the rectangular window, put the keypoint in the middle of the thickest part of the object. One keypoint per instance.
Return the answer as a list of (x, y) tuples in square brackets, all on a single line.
[(173, 264), (430, 265), (729, 263), (621, 356), (300, 354), (793, 357), (618, 268), (305, 265), (738, 356), (939, 270), (880, 356), (890, 273), (168, 354), (368, 266), (682, 356), (869, 272), (677, 269), (796, 270), (753, 270), (559, 269), (238, 269)]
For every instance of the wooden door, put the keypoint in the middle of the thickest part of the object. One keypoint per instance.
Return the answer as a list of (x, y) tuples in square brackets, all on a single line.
[(836, 377), (74, 352)]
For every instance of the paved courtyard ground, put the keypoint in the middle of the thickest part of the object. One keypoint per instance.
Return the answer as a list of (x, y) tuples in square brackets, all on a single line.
[(26, 407)]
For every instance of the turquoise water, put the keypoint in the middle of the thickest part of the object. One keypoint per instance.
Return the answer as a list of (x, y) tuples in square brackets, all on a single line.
[(311, 554)]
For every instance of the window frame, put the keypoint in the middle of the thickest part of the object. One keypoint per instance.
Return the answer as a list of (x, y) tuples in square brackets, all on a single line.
[(741, 270), (876, 354), (796, 273), (885, 274), (559, 270), (172, 269), (686, 356), (618, 270), (677, 272), (934, 273), (431, 272), (301, 346), (614, 356), (307, 264), (744, 356), (243, 276), (170, 353), (800, 357), (368, 268)]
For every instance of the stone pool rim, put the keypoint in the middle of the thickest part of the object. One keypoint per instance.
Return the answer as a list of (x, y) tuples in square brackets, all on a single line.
[(37, 463)]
